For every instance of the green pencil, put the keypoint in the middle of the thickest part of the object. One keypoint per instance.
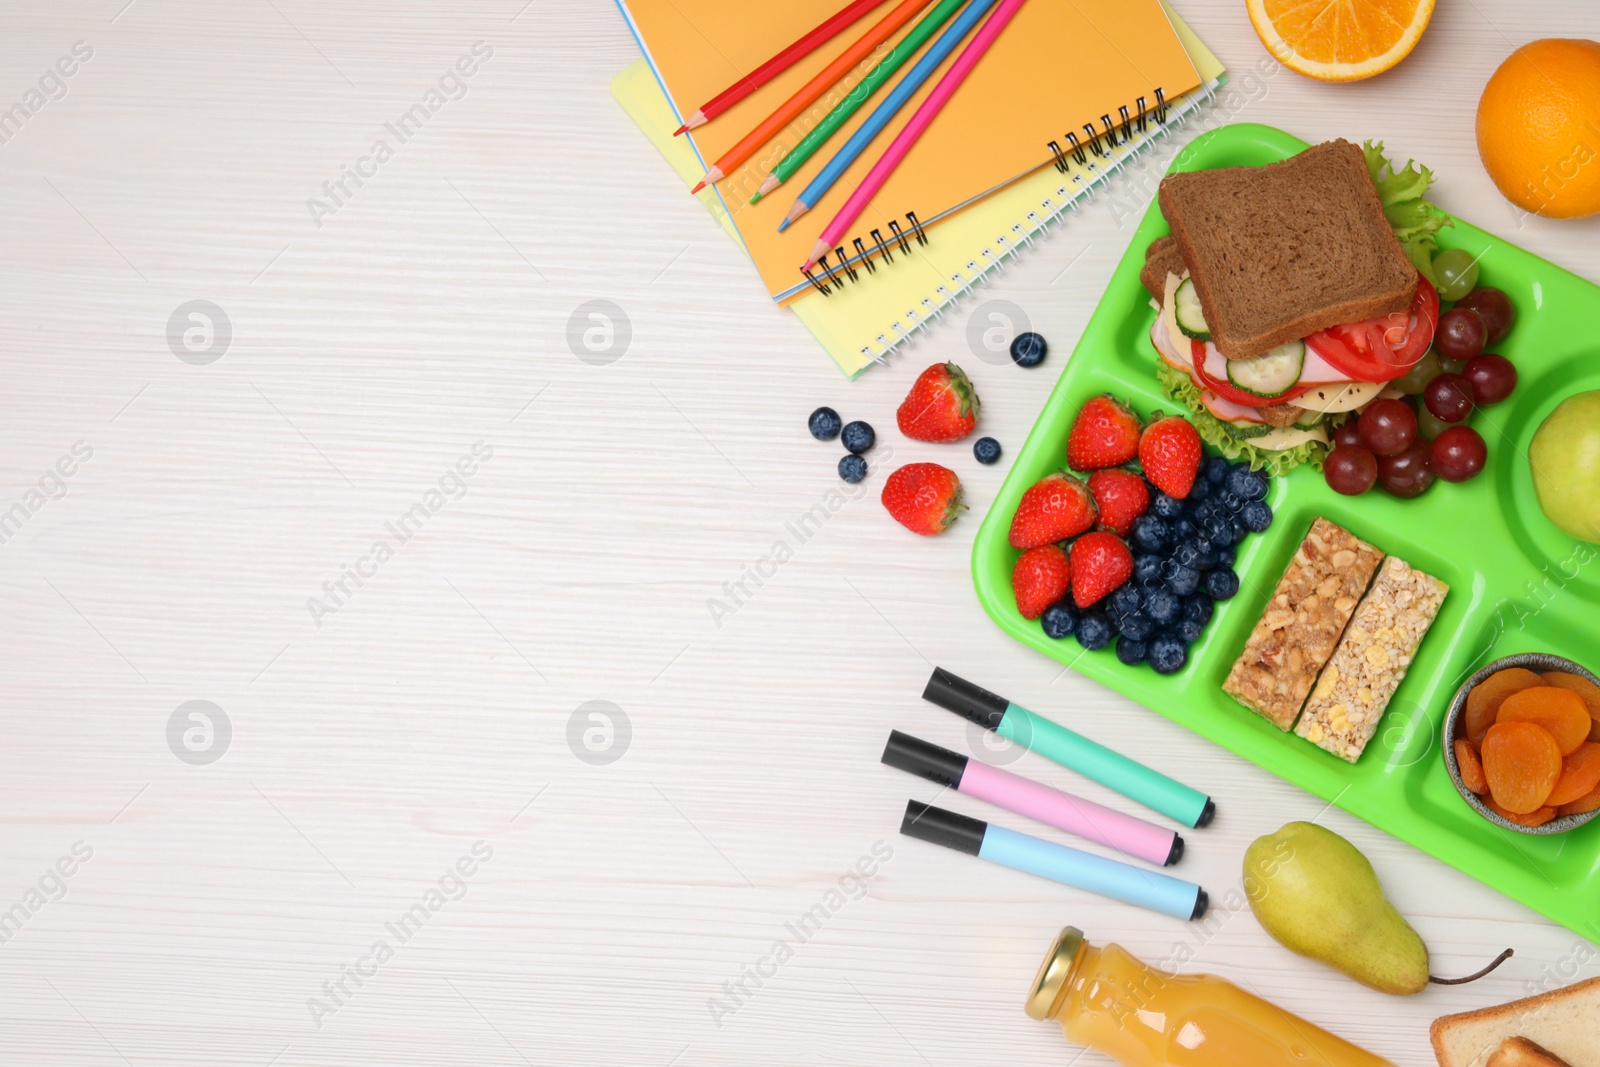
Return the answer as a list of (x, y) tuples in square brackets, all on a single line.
[(908, 46)]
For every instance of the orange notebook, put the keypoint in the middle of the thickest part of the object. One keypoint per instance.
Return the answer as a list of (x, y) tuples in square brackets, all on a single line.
[(1062, 69)]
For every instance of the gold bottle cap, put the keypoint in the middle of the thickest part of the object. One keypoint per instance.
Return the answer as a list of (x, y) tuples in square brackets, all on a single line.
[(1050, 984)]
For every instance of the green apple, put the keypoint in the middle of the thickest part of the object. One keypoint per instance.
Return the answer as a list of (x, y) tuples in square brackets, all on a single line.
[(1565, 458)]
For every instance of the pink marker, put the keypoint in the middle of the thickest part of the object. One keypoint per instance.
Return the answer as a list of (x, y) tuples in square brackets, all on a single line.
[(1094, 822)]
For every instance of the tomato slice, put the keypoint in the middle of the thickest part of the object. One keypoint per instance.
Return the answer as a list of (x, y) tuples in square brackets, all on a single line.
[(1199, 355), (1382, 348)]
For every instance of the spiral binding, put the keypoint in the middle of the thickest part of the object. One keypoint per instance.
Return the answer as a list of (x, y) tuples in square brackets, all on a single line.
[(1094, 142)]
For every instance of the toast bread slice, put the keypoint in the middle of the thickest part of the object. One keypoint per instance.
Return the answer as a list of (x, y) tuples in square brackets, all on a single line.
[(1160, 259), (1520, 1052), (1281, 251), (1564, 1022)]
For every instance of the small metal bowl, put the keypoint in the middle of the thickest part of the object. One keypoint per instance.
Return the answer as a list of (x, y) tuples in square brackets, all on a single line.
[(1538, 662)]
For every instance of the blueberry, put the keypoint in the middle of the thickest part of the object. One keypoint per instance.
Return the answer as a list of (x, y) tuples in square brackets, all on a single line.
[(1256, 516), (1198, 608), (1059, 619), (1147, 568), (1219, 531), (1238, 531), (1199, 491), (1165, 507), (1167, 653), (1093, 630), (986, 450), (1184, 580), (1228, 502), (1150, 533), (1205, 555), (1186, 554), (1189, 630), (824, 424), (1137, 626), (857, 437), (1247, 484), (1225, 556), (1216, 469), (1184, 530), (1203, 512), (1130, 651), (852, 468), (1220, 585), (1125, 599), (1163, 606), (1028, 349)]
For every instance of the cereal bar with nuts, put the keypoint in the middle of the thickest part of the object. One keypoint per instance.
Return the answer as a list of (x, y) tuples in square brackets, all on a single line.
[(1301, 625), (1371, 659)]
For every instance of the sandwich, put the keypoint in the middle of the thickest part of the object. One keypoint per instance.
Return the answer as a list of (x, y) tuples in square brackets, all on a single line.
[(1555, 1029), (1290, 295)]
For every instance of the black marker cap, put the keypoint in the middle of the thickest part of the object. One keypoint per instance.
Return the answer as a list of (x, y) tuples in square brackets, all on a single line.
[(925, 760), (965, 699), (928, 823), (1201, 903), (1177, 851)]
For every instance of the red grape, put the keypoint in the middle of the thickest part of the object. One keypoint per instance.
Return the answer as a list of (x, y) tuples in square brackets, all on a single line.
[(1388, 427), (1449, 397), (1348, 433), (1458, 454), (1407, 474), (1493, 378), (1461, 334), (1350, 469), (1494, 307)]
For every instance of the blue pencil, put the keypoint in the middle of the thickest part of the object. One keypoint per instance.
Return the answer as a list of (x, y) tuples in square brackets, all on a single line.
[(936, 54)]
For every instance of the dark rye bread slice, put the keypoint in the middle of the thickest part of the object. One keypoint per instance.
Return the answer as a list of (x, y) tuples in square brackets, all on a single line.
[(1283, 250), (1160, 258)]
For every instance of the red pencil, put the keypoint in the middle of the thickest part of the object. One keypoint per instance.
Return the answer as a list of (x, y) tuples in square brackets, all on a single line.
[(777, 64)]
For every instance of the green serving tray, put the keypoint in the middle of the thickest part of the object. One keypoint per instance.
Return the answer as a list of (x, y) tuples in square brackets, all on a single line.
[(1517, 584)]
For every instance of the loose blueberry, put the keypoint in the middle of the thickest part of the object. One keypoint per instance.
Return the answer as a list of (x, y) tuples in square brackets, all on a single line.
[(1198, 608), (1059, 619), (1184, 580), (857, 437), (1225, 556), (1137, 627), (1247, 484), (1147, 567), (986, 450), (1256, 516), (1238, 530), (1219, 531), (852, 468), (1167, 653), (1205, 555), (1203, 511), (1163, 606), (1130, 651), (1186, 554), (1228, 502), (1220, 585), (1184, 530), (1189, 630), (1125, 599), (1093, 631), (1028, 349), (1150, 533), (1216, 469), (1165, 507), (824, 424)]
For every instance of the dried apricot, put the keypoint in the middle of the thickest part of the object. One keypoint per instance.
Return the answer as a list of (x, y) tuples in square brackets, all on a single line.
[(1585, 689), (1471, 767), (1536, 817), (1522, 762), (1560, 711), (1580, 773), (1483, 703), (1583, 805)]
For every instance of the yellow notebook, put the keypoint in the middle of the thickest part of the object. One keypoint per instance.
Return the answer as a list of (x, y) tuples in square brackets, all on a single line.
[(858, 324), (1061, 67)]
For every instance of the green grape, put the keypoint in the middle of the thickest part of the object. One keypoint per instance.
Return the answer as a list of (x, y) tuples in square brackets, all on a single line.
[(1452, 366), (1417, 378), (1430, 425), (1456, 273)]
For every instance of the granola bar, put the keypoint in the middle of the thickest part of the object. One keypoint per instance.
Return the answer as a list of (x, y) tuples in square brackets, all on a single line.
[(1371, 659), (1302, 623)]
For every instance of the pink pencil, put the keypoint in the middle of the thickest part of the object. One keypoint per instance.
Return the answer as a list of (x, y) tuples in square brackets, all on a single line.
[(914, 129)]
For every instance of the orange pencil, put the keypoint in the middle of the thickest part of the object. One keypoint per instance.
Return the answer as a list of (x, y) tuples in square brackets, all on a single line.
[(808, 93)]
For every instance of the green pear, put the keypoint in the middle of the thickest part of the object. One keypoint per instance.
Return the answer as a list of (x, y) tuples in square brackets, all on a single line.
[(1317, 895)]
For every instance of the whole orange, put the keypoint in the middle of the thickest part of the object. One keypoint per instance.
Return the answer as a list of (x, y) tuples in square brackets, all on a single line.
[(1539, 127)]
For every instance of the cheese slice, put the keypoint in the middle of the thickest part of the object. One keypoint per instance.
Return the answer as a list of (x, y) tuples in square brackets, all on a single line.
[(1287, 437), (1338, 396)]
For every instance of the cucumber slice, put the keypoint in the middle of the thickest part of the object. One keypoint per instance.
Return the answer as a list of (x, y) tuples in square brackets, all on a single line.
[(1246, 431), (1186, 308), (1310, 420), (1271, 374)]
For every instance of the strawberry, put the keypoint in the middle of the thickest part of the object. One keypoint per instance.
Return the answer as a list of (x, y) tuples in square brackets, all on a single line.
[(1104, 434), (1100, 563), (1055, 508), (1169, 452), (923, 497), (1121, 496), (941, 406), (1041, 577)]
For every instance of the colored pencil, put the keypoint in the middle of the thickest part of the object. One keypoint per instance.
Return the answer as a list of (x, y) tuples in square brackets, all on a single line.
[(914, 129), (903, 50), (884, 112), (779, 63), (803, 98)]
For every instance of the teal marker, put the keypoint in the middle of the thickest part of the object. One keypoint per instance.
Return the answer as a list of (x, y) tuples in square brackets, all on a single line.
[(1074, 751)]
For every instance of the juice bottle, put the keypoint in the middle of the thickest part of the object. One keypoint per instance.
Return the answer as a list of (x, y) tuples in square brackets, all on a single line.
[(1107, 1000)]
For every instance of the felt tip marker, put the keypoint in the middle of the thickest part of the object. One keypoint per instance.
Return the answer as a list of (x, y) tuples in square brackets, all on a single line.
[(1081, 870), (1074, 751), (1094, 822)]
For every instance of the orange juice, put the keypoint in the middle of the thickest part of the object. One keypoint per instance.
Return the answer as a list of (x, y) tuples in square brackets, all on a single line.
[(1107, 1000)]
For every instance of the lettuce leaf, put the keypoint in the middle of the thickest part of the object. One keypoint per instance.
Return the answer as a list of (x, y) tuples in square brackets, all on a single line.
[(1180, 388), (1414, 220)]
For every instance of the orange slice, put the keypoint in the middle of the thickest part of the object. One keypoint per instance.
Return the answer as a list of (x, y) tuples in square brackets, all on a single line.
[(1339, 40)]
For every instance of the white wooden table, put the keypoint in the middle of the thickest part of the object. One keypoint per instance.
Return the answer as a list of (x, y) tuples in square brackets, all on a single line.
[(432, 712)]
